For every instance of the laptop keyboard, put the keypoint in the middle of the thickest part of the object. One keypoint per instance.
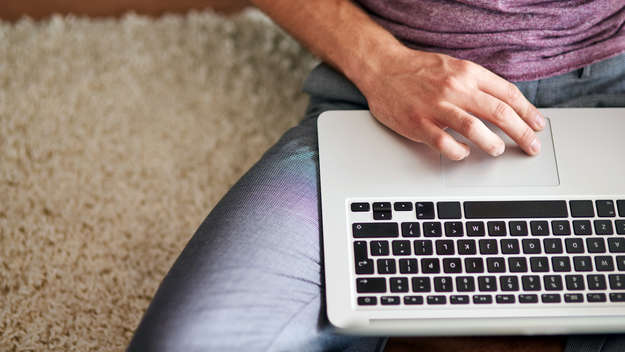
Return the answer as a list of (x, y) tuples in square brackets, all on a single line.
[(450, 253)]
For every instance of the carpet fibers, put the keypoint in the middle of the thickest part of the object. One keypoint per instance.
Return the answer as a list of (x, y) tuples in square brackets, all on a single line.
[(117, 137)]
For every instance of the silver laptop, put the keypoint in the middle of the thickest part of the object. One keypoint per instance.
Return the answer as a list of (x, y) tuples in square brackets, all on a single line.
[(415, 244)]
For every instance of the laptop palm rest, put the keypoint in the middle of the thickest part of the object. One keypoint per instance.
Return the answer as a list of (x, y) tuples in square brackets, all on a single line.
[(512, 168)]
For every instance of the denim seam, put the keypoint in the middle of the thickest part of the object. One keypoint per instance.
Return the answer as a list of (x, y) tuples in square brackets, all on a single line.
[(295, 314)]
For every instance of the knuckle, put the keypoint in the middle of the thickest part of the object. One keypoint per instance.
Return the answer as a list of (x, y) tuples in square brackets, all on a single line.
[(500, 112), (439, 141), (468, 126), (527, 136)]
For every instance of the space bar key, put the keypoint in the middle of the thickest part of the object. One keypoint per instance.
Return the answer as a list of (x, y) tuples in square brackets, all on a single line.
[(516, 209)]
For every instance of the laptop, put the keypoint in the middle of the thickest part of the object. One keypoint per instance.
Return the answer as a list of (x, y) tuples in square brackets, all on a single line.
[(415, 244)]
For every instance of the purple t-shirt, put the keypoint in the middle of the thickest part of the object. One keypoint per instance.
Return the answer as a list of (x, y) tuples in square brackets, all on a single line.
[(520, 40)]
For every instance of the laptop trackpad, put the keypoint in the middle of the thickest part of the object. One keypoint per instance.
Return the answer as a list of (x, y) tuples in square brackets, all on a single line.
[(512, 168)]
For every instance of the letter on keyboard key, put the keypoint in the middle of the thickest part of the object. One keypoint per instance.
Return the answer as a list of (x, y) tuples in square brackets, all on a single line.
[(413, 300), (421, 284), (482, 299), (573, 298), (459, 299), (595, 297), (616, 245), (617, 281), (389, 300), (551, 298), (437, 300), (528, 298), (367, 301), (371, 285), (374, 230), (504, 299), (617, 297)]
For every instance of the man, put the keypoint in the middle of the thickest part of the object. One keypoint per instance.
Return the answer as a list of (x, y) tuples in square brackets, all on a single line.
[(251, 277)]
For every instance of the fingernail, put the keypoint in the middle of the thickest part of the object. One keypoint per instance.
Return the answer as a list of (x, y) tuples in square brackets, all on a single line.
[(540, 121), (535, 147), (499, 150), (464, 154)]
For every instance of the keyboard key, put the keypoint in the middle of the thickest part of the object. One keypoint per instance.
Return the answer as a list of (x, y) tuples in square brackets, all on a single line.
[(364, 266), (553, 282), (413, 300), (617, 297), (367, 301), (432, 229), (443, 284), (509, 283), (459, 299), (488, 246), (620, 227), (454, 229), (379, 248), (515, 209), (496, 228), (620, 262), (475, 228), (553, 245), (482, 299), (539, 264), (505, 299), (528, 298), (596, 282), (382, 215), (435, 300), (452, 265), (402, 206), (617, 281), (386, 266), (582, 227), (474, 265), (582, 209), (374, 230), (550, 298), (496, 265), (360, 249), (582, 263), (603, 227), (517, 264), (382, 206), (531, 246), (449, 210), (465, 284), (425, 210), (359, 207), (389, 300), (616, 245), (595, 297), (487, 283), (575, 282), (561, 264), (430, 266), (408, 266), (398, 284), (574, 245), (605, 208), (423, 247), (445, 247), (561, 227), (421, 284), (573, 298), (401, 247), (410, 229), (539, 228), (595, 245), (621, 207), (531, 282), (518, 228), (466, 247), (371, 285), (604, 263)]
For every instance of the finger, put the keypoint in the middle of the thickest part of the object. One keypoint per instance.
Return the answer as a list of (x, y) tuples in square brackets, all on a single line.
[(511, 95), (441, 141), (474, 130), (502, 115)]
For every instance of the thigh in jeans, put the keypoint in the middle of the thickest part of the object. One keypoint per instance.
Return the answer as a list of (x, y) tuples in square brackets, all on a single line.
[(251, 278)]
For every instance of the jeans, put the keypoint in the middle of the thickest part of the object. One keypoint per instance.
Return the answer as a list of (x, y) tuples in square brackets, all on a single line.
[(251, 278)]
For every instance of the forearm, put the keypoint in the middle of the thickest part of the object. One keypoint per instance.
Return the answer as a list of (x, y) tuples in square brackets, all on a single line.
[(339, 32)]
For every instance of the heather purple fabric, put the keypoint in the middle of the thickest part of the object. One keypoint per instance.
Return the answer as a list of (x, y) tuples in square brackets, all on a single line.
[(521, 40)]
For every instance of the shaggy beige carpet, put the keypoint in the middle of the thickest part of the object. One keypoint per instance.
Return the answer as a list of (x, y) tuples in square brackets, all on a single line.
[(117, 137)]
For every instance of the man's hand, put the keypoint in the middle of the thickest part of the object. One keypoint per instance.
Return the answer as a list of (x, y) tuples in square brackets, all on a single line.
[(415, 93), (419, 94)]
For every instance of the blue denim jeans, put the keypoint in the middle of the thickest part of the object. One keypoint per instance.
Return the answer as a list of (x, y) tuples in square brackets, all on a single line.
[(251, 278)]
